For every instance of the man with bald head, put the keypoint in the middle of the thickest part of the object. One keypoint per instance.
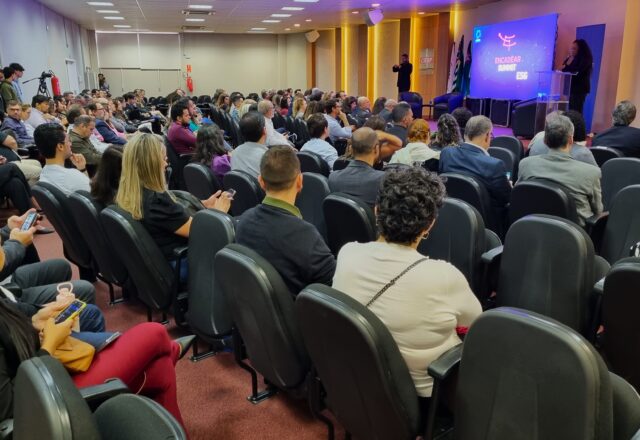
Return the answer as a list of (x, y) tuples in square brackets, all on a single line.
[(388, 108), (362, 111), (359, 179)]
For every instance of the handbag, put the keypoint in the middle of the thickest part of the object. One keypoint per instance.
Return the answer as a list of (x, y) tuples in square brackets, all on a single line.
[(393, 281), (75, 355)]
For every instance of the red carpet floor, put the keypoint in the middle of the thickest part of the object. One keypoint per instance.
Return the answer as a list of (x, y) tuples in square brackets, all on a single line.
[(211, 393)]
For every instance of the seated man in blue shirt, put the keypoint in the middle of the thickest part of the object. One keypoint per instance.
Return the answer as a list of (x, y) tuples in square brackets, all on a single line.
[(332, 114), (276, 231), (319, 131)]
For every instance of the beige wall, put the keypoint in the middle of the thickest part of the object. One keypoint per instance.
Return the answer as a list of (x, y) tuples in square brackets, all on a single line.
[(326, 66), (572, 14), (386, 48), (629, 79)]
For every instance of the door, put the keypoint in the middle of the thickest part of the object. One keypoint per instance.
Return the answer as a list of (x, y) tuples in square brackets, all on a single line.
[(72, 77)]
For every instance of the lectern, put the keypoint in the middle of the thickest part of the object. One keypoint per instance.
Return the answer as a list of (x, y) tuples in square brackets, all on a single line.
[(554, 87)]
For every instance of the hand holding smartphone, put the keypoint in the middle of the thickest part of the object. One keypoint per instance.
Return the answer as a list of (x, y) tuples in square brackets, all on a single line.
[(31, 219), (71, 311)]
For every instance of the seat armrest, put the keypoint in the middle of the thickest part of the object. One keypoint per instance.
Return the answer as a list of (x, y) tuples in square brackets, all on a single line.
[(598, 287), (446, 364), (492, 255), (96, 395), (6, 429), (595, 226), (180, 252)]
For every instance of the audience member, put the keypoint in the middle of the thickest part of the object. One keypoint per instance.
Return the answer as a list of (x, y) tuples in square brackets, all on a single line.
[(179, 135), (102, 82), (462, 116), (143, 194), (362, 111), (31, 168), (7, 91), (222, 102), (336, 132), (40, 112), (275, 229), (312, 108), (421, 301), (319, 131), (448, 134), (378, 105), (236, 105), (14, 123), (580, 179), (210, 151), (299, 108), (385, 113), (621, 136), (417, 151), (248, 155), (359, 179), (25, 114), (472, 158), (402, 116), (80, 143), (267, 109), (14, 186), (55, 146), (107, 131), (389, 143), (19, 72), (579, 151), (105, 182)]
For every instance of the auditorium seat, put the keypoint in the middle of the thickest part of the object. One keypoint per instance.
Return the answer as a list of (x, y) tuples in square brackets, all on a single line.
[(55, 206), (620, 304), (248, 191), (208, 315), (540, 196), (446, 103), (460, 238), (177, 162), (157, 283), (340, 164), (622, 228), (414, 99), (514, 145), (302, 131), (507, 157), (348, 219), (47, 405), (523, 118), (86, 214), (278, 121), (603, 154), (618, 173), (262, 309), (548, 265), (313, 163), (315, 188), (524, 375), (200, 181), (366, 380)]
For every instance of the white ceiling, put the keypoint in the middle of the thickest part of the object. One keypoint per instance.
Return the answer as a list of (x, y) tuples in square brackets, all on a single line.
[(237, 16)]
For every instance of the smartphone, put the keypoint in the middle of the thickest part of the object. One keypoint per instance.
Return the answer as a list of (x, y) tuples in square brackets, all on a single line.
[(108, 341), (508, 174), (71, 311), (231, 192), (29, 221)]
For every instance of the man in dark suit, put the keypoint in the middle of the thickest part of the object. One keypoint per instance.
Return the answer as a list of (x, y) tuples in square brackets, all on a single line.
[(621, 136), (402, 117), (404, 70), (472, 159), (359, 179)]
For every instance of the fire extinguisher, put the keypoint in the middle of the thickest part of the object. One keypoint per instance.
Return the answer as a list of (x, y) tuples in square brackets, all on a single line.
[(190, 84), (55, 86)]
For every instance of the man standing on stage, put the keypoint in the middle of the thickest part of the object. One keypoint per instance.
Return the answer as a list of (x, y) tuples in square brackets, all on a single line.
[(404, 70)]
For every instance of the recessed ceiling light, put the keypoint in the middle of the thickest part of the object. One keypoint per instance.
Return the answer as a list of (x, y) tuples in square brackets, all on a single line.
[(297, 25), (107, 11), (114, 18), (194, 19), (287, 29), (355, 12), (100, 3), (200, 7), (122, 26), (306, 1), (375, 5), (258, 29), (292, 8), (308, 20), (421, 13), (271, 21), (281, 15)]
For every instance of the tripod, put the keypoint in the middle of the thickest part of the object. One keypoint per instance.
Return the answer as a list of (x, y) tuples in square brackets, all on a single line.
[(42, 87)]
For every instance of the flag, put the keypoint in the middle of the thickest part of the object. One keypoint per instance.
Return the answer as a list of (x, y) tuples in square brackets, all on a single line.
[(466, 80), (458, 73), (452, 68)]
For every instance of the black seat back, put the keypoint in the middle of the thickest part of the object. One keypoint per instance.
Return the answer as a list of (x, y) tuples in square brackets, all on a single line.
[(604, 154), (472, 191), (510, 143), (262, 309), (623, 226), (620, 303), (302, 130), (340, 164), (313, 163), (55, 205), (200, 181), (507, 157), (523, 375), (278, 121), (367, 381), (86, 213), (548, 267), (458, 237), (177, 162), (315, 188), (248, 191), (148, 268), (617, 174), (208, 314), (541, 197), (348, 219)]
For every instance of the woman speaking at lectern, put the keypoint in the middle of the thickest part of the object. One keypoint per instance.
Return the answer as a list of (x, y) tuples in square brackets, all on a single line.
[(580, 63)]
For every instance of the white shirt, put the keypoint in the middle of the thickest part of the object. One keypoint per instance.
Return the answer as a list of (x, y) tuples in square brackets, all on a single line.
[(422, 309), (414, 152), (273, 137), (335, 130), (67, 179)]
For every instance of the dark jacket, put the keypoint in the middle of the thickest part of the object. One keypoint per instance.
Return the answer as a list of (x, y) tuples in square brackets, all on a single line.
[(581, 82), (471, 161), (399, 131), (107, 134), (404, 76), (359, 180), (621, 137), (293, 246), (80, 145)]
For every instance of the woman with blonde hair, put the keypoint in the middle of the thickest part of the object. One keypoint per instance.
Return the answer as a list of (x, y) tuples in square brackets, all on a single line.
[(299, 107), (417, 150), (143, 194)]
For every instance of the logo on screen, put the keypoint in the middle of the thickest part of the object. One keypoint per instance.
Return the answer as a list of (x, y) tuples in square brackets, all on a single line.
[(507, 40), (478, 35)]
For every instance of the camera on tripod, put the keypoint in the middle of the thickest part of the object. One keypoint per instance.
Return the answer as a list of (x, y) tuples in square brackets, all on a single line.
[(44, 75)]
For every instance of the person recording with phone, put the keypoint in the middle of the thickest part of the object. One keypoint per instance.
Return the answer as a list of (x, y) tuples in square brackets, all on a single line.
[(580, 63)]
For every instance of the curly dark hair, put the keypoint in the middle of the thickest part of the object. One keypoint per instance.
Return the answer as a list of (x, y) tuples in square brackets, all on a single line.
[(448, 132), (408, 203)]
